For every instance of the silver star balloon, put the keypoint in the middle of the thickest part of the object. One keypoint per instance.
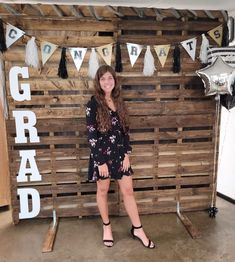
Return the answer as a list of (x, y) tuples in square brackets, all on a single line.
[(217, 77)]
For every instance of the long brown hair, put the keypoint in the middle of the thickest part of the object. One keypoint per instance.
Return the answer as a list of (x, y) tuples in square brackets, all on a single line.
[(103, 112)]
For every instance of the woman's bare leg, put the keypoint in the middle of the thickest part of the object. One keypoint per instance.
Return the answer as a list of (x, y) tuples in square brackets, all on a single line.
[(102, 202), (126, 187)]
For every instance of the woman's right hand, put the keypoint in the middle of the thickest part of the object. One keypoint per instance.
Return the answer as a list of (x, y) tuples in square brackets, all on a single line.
[(103, 170)]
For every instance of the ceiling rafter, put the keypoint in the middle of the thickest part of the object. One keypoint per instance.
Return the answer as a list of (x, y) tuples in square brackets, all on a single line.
[(158, 14), (113, 10), (33, 7), (76, 11), (94, 13), (10, 9), (209, 14), (37, 7), (57, 10), (194, 13), (138, 11), (175, 13)]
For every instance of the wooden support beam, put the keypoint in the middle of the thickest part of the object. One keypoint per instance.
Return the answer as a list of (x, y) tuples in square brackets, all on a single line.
[(38, 8), (57, 10), (113, 10), (194, 13), (175, 13), (76, 12), (10, 9), (158, 14), (209, 14), (193, 231), (50, 237), (138, 11), (94, 13)]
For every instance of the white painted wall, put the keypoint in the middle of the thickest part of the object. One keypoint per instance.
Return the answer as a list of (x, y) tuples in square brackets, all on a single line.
[(226, 163)]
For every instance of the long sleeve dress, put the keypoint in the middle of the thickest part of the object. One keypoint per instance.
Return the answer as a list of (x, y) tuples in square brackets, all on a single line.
[(106, 147)]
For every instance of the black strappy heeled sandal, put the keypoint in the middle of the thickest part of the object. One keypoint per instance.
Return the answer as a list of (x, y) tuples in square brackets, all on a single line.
[(136, 237), (106, 241)]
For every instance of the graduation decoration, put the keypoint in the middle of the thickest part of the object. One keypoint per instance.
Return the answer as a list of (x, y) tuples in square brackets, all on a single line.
[(118, 66), (78, 55), (228, 101), (31, 54), (203, 50), (190, 46), (212, 211), (47, 49), (216, 34), (62, 70), (3, 47), (227, 53), (105, 52), (231, 31), (217, 78), (176, 59), (93, 64), (134, 51), (12, 34), (225, 35), (162, 53), (148, 63)]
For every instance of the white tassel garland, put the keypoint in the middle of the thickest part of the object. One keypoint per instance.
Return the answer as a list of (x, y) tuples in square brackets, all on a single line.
[(204, 49), (148, 63), (93, 64), (31, 54)]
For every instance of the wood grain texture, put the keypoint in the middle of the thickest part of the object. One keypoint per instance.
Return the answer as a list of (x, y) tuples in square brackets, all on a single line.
[(172, 123)]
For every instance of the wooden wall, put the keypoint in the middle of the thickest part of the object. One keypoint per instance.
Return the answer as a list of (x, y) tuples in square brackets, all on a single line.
[(172, 122), (4, 164)]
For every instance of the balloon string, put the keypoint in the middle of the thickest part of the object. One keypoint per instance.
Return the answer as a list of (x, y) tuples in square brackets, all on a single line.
[(223, 140), (214, 177)]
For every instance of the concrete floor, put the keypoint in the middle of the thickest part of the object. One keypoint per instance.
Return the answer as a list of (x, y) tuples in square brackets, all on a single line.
[(80, 239)]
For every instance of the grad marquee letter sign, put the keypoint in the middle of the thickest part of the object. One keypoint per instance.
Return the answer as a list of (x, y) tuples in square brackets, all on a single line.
[(25, 120)]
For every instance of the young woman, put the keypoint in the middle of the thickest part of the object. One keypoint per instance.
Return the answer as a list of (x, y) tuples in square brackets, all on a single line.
[(107, 126)]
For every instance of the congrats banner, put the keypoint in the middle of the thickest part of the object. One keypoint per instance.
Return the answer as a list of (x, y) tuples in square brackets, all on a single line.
[(78, 55), (105, 51), (12, 34), (162, 53), (216, 34), (190, 46), (47, 49), (134, 51)]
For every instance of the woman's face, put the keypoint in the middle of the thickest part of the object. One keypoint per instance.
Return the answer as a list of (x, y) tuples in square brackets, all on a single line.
[(107, 82)]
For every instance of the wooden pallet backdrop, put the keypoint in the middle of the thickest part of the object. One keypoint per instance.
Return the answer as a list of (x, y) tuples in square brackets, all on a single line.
[(172, 122)]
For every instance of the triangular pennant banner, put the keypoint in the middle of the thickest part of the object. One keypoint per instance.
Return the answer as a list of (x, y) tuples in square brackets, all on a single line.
[(134, 51), (190, 46), (47, 49), (78, 55), (12, 34), (216, 34), (105, 52), (162, 53)]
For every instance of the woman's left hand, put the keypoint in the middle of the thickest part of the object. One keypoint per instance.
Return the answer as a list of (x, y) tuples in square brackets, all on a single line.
[(125, 163)]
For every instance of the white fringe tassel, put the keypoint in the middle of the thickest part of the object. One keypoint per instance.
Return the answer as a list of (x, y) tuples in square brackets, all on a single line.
[(31, 54), (93, 64), (203, 50), (3, 100), (148, 63)]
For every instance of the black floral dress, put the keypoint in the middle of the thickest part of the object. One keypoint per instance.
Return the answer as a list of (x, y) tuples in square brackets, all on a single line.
[(106, 147)]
